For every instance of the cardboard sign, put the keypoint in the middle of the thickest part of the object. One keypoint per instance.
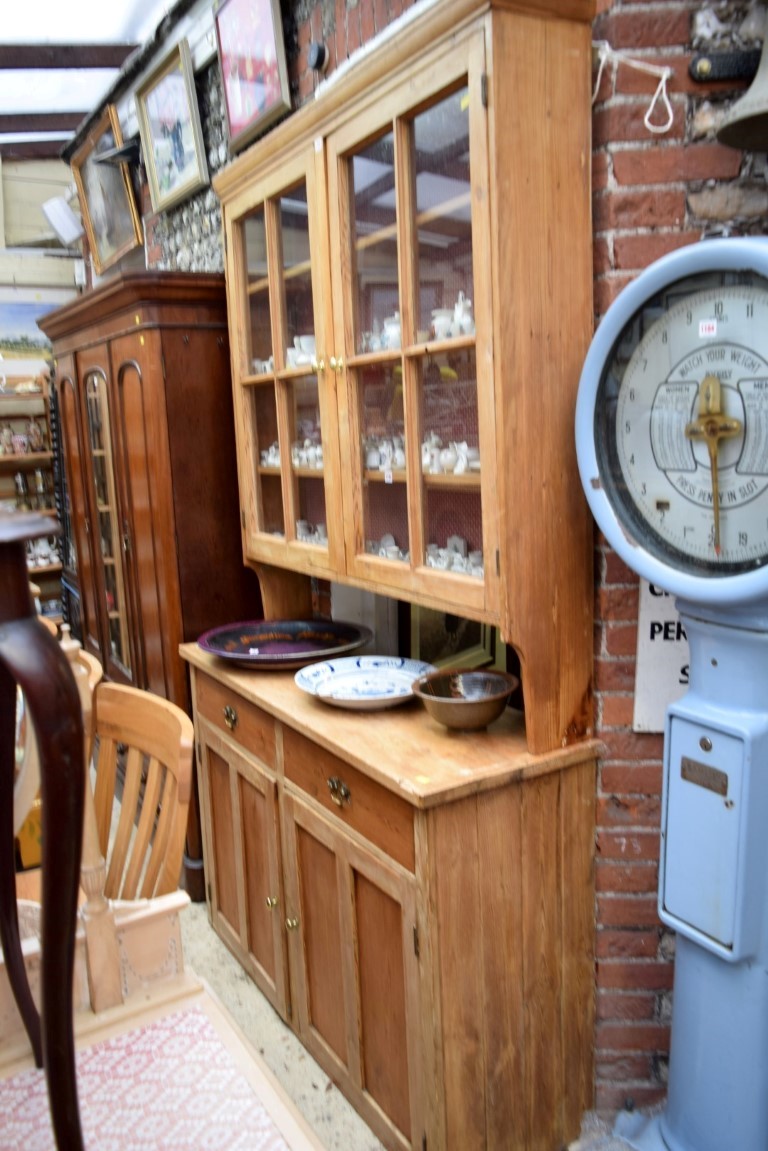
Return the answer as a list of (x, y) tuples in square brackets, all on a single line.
[(661, 669)]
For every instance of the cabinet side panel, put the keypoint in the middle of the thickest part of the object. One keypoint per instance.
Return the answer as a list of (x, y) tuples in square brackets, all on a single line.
[(225, 872), (499, 818), (543, 322), (382, 1000), (542, 884), (215, 586), (577, 837), (318, 883), (454, 849)]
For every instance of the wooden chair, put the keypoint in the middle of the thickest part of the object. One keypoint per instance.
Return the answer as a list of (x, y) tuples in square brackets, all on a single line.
[(152, 739), (33, 660)]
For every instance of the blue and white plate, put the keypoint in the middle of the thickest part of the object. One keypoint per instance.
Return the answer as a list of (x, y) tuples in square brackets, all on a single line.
[(363, 683)]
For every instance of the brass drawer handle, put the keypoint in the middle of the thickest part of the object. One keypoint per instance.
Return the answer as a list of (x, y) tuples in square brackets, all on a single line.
[(340, 793), (271, 901), (291, 924), (230, 717)]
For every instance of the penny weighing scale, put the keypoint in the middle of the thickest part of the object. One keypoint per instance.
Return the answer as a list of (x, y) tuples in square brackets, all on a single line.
[(672, 445)]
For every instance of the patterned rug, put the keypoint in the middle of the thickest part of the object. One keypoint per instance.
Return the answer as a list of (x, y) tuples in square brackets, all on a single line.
[(171, 1085)]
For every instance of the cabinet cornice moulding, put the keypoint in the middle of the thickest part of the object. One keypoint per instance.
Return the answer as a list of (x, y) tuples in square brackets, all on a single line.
[(381, 61)]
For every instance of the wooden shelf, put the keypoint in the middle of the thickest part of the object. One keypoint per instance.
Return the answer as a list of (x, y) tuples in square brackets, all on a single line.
[(308, 473), (449, 480), (27, 461), (47, 569)]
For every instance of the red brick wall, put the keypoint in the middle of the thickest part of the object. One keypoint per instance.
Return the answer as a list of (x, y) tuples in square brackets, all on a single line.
[(651, 194)]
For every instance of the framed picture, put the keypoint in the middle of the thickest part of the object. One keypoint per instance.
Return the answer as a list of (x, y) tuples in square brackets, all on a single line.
[(249, 37), (171, 136), (107, 204), (449, 641)]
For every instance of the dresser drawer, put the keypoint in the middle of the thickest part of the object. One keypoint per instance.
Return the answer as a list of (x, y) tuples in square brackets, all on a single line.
[(253, 728), (359, 802)]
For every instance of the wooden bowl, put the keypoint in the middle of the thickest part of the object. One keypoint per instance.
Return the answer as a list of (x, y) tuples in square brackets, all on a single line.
[(465, 699)]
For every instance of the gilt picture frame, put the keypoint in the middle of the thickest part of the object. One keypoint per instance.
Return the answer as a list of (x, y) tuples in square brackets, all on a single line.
[(254, 72), (105, 192), (171, 133)]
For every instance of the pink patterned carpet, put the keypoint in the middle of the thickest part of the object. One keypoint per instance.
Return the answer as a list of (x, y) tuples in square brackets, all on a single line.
[(168, 1086)]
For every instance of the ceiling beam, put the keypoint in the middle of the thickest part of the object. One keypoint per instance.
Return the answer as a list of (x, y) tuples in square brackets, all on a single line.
[(66, 56), (17, 122), (32, 150)]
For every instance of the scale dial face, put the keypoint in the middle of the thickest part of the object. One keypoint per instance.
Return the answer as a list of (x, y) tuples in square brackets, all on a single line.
[(681, 424)]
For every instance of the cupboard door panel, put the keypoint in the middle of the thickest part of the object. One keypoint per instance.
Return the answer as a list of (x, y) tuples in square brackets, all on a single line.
[(355, 969), (321, 933), (382, 1000), (262, 888), (225, 901)]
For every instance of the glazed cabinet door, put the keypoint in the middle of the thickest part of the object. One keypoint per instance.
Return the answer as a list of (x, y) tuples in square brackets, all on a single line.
[(238, 800), (284, 399), (409, 227), (106, 524), (351, 921), (82, 563)]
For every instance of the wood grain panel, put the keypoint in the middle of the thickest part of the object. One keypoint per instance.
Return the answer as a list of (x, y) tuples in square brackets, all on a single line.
[(455, 850), (577, 845), (542, 963), (382, 1000), (224, 877), (319, 921), (258, 809), (254, 728), (379, 815), (500, 840)]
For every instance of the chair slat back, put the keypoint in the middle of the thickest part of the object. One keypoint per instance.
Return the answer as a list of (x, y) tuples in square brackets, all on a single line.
[(152, 739)]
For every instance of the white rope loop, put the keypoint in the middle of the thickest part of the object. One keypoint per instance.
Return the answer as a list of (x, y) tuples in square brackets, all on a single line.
[(605, 53)]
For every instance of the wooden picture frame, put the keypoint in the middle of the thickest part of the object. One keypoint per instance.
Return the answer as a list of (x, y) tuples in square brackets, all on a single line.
[(171, 134), (107, 203), (254, 73)]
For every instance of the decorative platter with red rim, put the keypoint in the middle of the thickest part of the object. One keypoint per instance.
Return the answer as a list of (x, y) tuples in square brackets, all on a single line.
[(274, 644)]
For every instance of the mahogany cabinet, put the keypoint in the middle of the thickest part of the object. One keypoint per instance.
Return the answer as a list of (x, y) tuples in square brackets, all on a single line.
[(416, 903), (142, 377), (145, 402)]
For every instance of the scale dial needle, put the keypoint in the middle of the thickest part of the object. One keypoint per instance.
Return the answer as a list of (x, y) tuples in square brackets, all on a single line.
[(712, 425)]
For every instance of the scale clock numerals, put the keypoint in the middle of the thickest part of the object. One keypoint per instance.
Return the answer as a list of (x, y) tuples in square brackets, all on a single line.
[(672, 414)]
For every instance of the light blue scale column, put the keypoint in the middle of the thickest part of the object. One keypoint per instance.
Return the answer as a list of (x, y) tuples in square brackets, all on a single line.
[(713, 890)]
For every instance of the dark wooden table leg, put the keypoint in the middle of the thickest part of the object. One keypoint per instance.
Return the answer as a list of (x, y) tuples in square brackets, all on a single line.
[(31, 657)]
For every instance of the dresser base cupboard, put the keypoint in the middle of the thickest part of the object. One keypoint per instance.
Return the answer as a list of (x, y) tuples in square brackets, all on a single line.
[(416, 904)]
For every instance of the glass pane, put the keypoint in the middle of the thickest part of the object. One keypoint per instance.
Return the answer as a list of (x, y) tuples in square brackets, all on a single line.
[(443, 223), (450, 459), (109, 538), (269, 493), (298, 310), (260, 329), (307, 462), (374, 232), (385, 507)]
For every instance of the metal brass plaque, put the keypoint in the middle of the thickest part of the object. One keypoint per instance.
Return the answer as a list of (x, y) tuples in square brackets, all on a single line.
[(704, 776)]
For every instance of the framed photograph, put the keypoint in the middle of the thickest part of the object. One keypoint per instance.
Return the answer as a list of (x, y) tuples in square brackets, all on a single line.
[(171, 136), (107, 204), (249, 37)]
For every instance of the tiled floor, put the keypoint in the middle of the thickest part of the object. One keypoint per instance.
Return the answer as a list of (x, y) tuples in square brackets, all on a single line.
[(323, 1106)]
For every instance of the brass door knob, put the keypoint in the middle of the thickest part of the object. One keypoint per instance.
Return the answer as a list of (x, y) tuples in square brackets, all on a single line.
[(340, 793), (337, 363), (271, 901), (291, 924)]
